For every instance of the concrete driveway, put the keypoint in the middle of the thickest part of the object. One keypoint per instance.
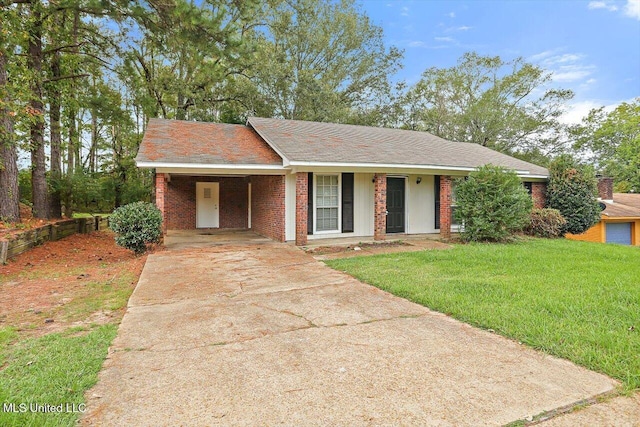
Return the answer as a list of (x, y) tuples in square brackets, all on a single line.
[(263, 334)]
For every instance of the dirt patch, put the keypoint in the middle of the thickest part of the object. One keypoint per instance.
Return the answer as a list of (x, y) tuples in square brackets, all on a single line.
[(324, 250), (81, 279), (363, 249)]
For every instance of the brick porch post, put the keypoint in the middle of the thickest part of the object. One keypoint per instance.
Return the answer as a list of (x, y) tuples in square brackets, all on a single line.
[(302, 206), (380, 207), (445, 207), (539, 194), (161, 190)]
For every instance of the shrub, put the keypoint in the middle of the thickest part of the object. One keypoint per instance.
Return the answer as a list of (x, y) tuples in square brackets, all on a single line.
[(546, 223), (492, 204), (572, 190), (137, 225)]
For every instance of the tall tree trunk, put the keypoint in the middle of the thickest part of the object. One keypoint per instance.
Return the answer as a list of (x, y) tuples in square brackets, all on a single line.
[(9, 197), (68, 194), (93, 151), (56, 139), (38, 158)]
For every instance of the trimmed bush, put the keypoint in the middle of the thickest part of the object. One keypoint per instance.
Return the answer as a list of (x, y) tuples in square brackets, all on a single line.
[(572, 190), (137, 225), (492, 204), (546, 223)]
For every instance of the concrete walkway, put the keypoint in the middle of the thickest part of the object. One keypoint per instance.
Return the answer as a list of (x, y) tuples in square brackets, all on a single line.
[(263, 334)]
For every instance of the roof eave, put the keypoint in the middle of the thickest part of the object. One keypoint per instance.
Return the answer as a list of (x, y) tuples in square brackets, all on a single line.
[(151, 165), (394, 166)]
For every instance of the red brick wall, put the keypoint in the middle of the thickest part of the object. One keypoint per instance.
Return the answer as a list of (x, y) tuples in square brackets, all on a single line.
[(267, 206), (161, 188), (180, 202), (539, 194), (380, 206), (445, 207), (605, 188), (302, 207)]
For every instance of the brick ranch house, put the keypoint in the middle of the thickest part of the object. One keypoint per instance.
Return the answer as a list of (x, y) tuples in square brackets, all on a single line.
[(297, 181)]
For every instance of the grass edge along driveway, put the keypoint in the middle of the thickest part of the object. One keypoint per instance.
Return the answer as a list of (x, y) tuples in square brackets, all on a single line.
[(575, 300)]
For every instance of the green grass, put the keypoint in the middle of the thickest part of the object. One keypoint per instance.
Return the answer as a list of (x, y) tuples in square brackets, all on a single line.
[(110, 295), (90, 215), (576, 300), (54, 369)]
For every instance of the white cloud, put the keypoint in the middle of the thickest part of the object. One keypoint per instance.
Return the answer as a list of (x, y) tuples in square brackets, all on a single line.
[(591, 81), (404, 11), (416, 43), (562, 59), (451, 14), (572, 73), (602, 5), (444, 39), (578, 110), (632, 9), (460, 28), (425, 45), (565, 67), (542, 55)]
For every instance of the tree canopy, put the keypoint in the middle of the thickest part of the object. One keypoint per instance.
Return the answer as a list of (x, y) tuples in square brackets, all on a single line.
[(79, 80), (612, 142), (489, 101)]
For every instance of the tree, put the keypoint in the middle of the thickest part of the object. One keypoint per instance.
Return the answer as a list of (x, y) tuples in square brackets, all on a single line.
[(572, 190), (491, 102), (181, 66), (613, 142), (9, 197), (492, 204), (319, 59)]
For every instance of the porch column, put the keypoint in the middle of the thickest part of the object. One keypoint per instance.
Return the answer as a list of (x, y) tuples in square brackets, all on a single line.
[(445, 207), (380, 206), (302, 206), (161, 190), (539, 194)]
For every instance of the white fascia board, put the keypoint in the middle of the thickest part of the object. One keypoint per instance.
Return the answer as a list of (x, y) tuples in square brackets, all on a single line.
[(297, 163), (198, 169), (207, 166), (285, 161), (381, 167), (535, 177)]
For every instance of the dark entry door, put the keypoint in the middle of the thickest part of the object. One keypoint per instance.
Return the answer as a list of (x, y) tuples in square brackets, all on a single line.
[(395, 205)]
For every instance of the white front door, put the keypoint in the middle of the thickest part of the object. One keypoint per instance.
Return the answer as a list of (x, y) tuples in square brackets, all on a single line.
[(207, 205)]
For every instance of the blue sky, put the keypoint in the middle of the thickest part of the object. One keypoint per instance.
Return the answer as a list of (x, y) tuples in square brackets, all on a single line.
[(592, 47)]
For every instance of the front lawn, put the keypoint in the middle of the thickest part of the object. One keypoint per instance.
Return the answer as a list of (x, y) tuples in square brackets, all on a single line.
[(60, 309), (576, 300)]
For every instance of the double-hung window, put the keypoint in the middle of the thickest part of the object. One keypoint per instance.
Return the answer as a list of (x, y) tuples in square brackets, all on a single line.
[(327, 202)]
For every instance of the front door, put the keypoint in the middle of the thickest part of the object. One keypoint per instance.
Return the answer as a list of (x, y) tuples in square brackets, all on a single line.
[(207, 205), (395, 205)]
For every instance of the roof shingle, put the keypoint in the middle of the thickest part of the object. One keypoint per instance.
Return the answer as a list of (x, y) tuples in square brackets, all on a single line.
[(624, 206), (302, 141), (177, 141)]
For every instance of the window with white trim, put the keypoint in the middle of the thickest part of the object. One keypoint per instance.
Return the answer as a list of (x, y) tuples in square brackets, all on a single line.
[(327, 202)]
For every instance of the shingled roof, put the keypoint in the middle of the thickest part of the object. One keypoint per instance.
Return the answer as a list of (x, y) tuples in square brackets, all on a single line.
[(201, 143), (624, 206), (306, 143), (288, 143)]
